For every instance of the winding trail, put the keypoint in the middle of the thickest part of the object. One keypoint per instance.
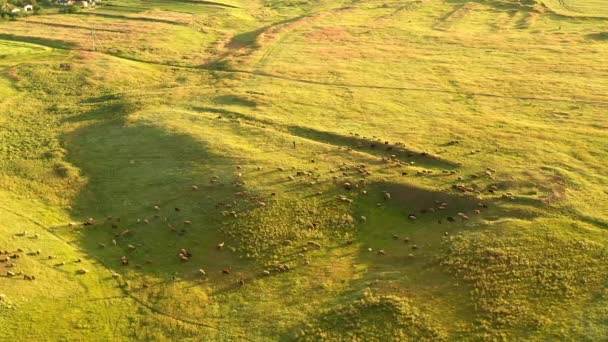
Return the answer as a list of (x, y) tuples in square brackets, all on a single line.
[(319, 83)]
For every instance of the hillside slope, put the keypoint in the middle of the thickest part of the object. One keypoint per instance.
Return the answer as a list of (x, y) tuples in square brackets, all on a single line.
[(304, 170)]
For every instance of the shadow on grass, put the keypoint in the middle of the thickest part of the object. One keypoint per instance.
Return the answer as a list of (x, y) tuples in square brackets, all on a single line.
[(205, 3), (124, 17), (401, 256), (380, 149), (108, 110), (234, 100), (602, 36), (73, 26), (503, 5), (53, 43), (376, 148), (130, 168)]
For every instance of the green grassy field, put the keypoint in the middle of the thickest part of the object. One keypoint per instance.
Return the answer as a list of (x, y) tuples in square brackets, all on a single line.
[(579, 8), (340, 170)]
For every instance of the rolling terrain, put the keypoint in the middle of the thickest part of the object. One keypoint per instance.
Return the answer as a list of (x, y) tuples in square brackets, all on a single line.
[(365, 170)]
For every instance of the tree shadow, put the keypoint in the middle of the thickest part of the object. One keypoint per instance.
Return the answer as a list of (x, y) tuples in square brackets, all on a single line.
[(139, 193), (602, 36), (376, 147), (401, 256), (53, 43), (503, 5), (130, 18), (108, 110)]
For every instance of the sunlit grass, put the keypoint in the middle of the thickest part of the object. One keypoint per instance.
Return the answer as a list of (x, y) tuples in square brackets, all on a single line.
[(338, 170)]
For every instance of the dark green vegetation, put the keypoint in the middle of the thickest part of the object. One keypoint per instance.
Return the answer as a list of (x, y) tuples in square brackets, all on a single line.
[(339, 170)]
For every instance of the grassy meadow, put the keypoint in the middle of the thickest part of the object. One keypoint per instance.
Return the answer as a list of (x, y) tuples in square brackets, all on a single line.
[(357, 170)]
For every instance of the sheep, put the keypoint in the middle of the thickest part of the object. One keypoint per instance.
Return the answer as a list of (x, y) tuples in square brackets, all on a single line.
[(381, 252), (220, 246), (131, 247), (187, 222), (10, 274), (37, 252), (124, 261), (194, 187), (463, 216), (315, 244), (411, 217), (387, 196), (157, 208), (28, 277), (82, 271), (201, 272), (345, 199), (115, 275), (283, 268)]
